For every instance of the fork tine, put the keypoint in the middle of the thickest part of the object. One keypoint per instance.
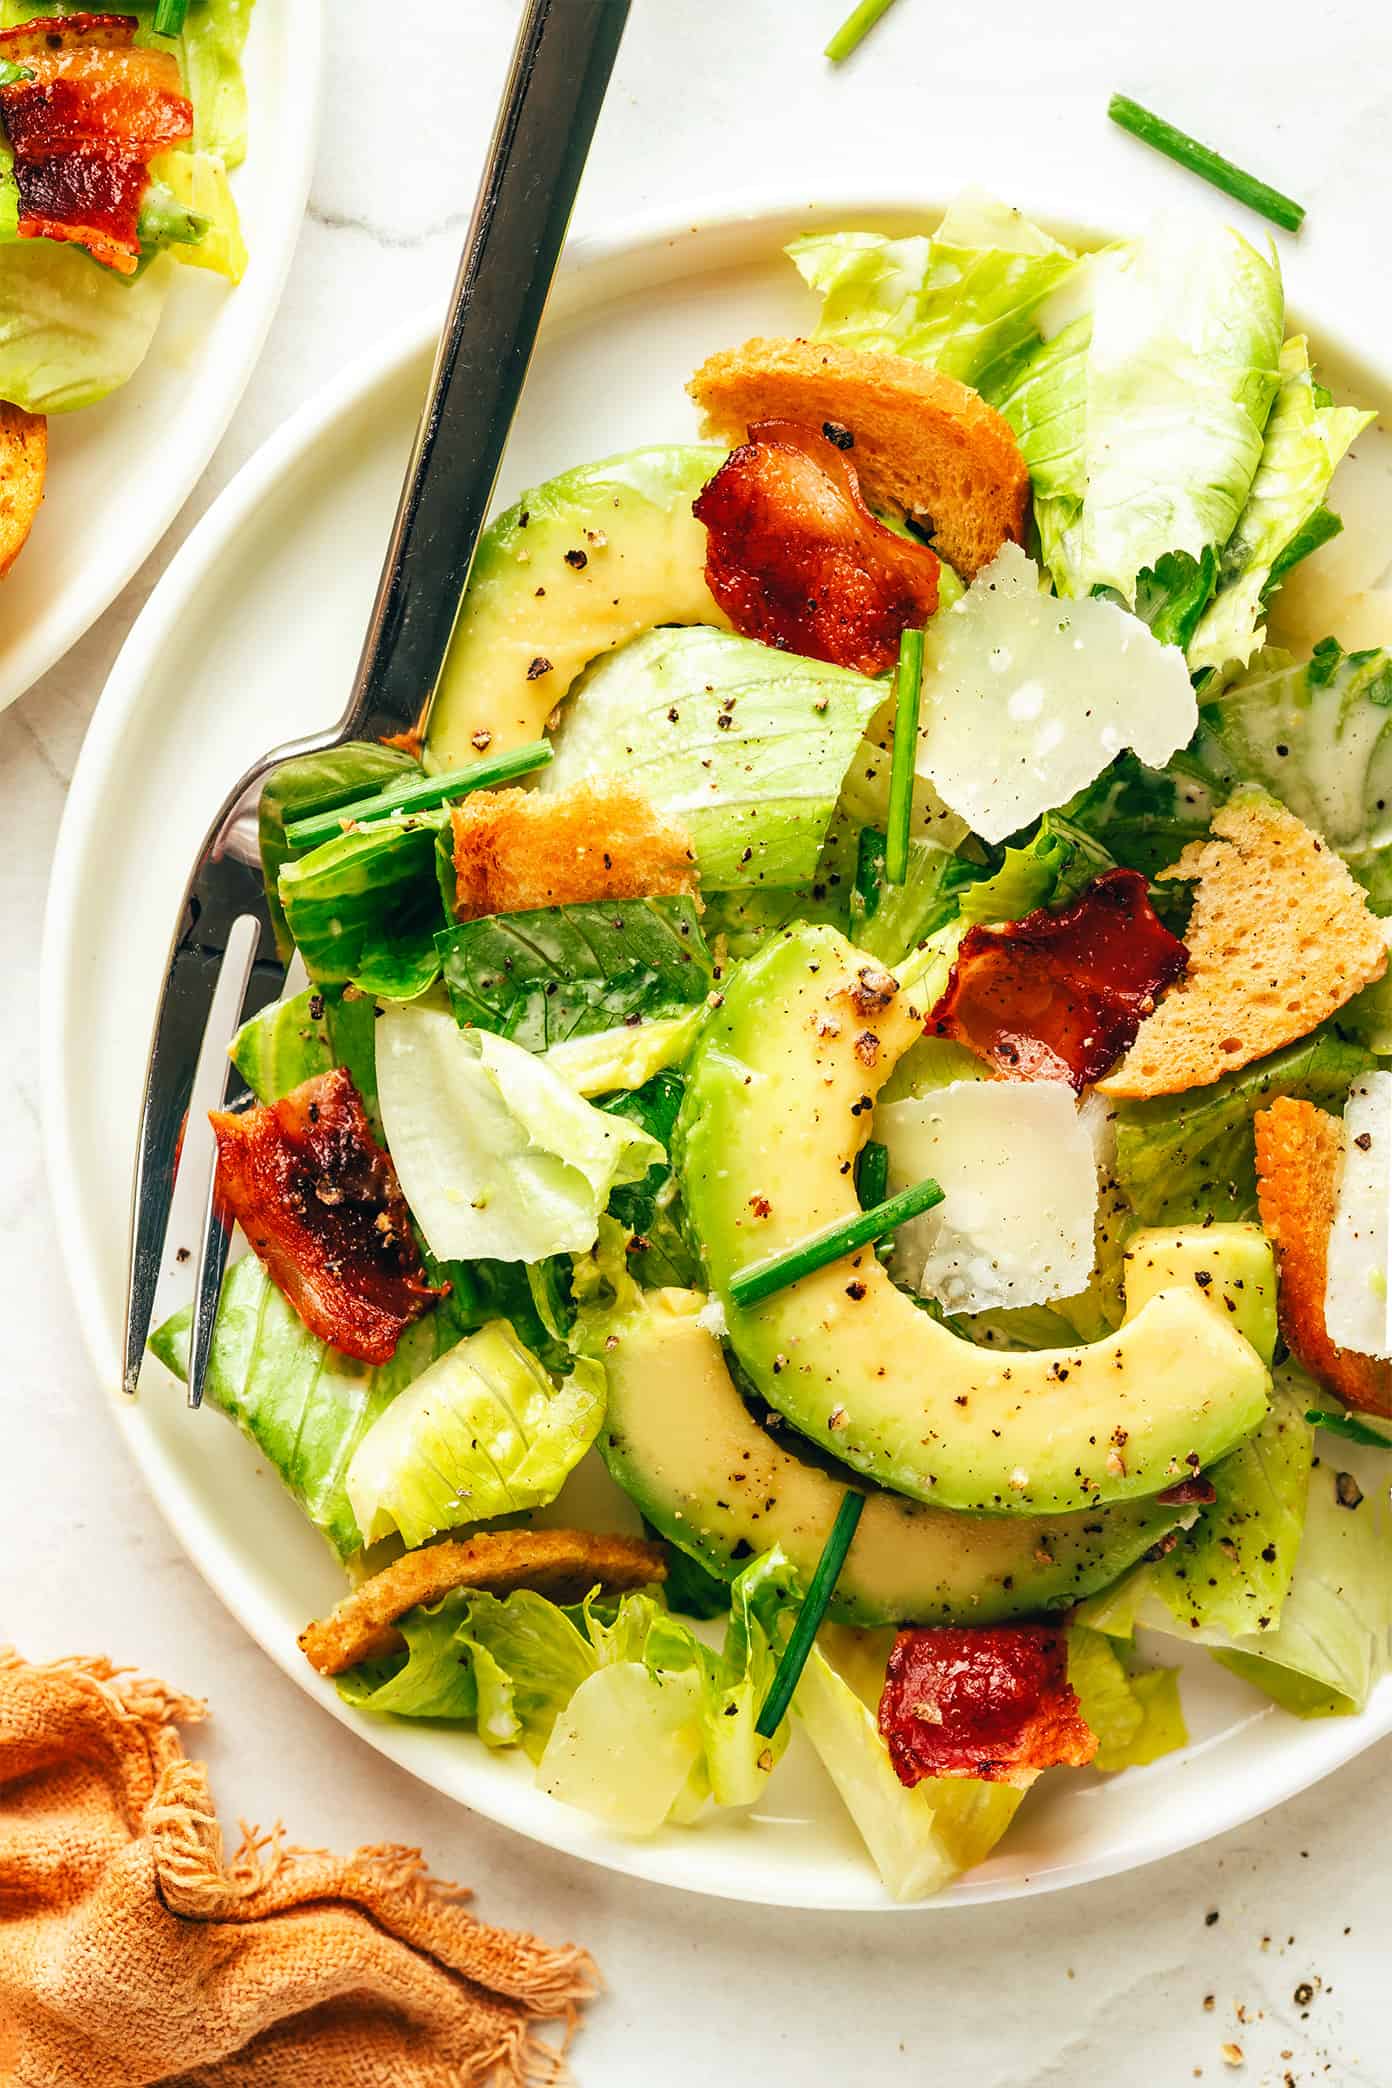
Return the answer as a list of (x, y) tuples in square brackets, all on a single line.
[(182, 1071), (224, 1019)]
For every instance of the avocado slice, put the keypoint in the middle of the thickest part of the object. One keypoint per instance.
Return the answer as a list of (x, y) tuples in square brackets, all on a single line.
[(683, 1445), (577, 567), (1231, 1267), (780, 1097)]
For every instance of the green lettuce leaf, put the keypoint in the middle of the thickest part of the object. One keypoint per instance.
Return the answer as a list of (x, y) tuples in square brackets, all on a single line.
[(317, 783), (966, 301), (625, 1057), (304, 1406), (1185, 1158), (1145, 817), (650, 1210), (497, 1154), (482, 1432), (889, 920), (1318, 735), (364, 908), (1182, 369), (1137, 1717), (746, 747), (564, 972), (293, 1040), (626, 1713), (72, 331), (1285, 516), (919, 1839), (1329, 1647)]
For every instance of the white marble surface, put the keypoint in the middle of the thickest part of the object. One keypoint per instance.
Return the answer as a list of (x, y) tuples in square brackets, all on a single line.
[(1105, 1985)]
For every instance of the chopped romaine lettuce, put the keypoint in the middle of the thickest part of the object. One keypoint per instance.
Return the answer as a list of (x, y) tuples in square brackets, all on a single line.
[(1026, 699), (305, 1406), (648, 1210), (1322, 1650), (497, 1154), (967, 301), (634, 1751), (564, 972), (1137, 1717), (746, 747), (365, 907), (1185, 1158), (483, 1432), (70, 330), (888, 920), (624, 1057), (1318, 735), (1145, 817), (1182, 369), (1303, 444), (919, 1839), (286, 1043)]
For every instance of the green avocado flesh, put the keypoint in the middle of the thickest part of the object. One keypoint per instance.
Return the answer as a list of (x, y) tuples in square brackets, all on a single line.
[(684, 1446), (578, 567), (779, 1099)]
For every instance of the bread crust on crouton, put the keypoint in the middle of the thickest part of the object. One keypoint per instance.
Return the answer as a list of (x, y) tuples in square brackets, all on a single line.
[(1299, 1150), (564, 1564), (1280, 937), (23, 466), (516, 850), (924, 446)]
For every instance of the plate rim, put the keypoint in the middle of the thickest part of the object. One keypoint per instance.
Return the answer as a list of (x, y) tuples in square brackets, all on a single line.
[(51, 641), (722, 218)]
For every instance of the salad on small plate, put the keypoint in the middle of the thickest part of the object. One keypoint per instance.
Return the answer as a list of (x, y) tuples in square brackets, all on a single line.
[(864, 1013)]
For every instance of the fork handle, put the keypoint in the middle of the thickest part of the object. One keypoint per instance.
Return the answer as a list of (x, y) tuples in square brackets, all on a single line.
[(560, 69)]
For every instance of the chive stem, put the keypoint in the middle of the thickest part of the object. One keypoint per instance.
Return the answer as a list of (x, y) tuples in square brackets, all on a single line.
[(1210, 166), (908, 685), (810, 1614), (169, 17), (761, 1279), (419, 794), (872, 1174), (1350, 1428), (856, 28)]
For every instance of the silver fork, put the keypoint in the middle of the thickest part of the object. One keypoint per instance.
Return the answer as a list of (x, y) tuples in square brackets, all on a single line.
[(224, 965)]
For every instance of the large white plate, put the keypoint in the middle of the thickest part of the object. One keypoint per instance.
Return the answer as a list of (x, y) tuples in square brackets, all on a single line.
[(118, 473), (251, 637)]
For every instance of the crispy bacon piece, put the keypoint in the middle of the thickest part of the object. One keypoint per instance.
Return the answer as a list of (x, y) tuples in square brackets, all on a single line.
[(988, 1701), (319, 1201), (84, 128), (1060, 996), (796, 559), (1299, 1153)]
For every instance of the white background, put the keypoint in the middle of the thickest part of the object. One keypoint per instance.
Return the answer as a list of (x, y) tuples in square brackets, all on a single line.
[(713, 98)]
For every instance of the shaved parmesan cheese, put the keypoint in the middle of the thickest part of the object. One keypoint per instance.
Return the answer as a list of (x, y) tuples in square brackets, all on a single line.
[(1357, 1308), (1027, 698), (1018, 1170)]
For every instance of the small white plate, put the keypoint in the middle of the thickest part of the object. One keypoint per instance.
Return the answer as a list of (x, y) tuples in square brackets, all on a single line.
[(251, 638), (118, 473)]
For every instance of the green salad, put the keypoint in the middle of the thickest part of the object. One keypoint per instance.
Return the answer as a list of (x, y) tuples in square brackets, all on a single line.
[(830, 1164)]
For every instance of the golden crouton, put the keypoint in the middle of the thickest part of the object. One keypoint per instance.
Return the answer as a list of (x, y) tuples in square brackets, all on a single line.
[(23, 462), (564, 1564), (516, 850), (1280, 937), (1298, 1158), (924, 446)]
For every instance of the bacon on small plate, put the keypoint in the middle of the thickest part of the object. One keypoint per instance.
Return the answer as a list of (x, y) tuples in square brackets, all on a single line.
[(796, 559), (987, 1701), (319, 1201), (1060, 996), (84, 126)]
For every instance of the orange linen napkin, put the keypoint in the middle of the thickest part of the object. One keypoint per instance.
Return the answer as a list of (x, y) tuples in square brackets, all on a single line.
[(131, 1954)]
